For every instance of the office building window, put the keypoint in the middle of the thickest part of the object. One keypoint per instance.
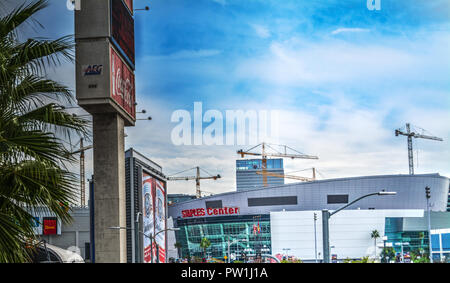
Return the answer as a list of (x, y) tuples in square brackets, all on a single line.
[(289, 200), (213, 204), (331, 199)]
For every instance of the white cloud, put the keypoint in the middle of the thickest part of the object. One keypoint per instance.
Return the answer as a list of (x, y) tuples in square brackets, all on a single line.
[(261, 31), (350, 140), (337, 62), (342, 30), (187, 54)]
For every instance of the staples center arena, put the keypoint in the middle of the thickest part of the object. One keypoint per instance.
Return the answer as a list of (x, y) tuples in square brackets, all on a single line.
[(280, 219)]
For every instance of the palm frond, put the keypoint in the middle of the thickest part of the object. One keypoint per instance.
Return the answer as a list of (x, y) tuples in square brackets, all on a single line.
[(35, 55), (33, 92), (19, 15), (52, 117)]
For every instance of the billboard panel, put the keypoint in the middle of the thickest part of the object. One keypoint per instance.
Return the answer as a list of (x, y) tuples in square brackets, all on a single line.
[(122, 83), (154, 215), (160, 219), (148, 213), (122, 28), (129, 4)]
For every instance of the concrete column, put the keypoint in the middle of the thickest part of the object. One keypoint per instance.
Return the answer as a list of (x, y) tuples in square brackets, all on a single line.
[(109, 186)]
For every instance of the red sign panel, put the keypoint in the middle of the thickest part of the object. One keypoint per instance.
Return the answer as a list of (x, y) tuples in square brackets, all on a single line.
[(198, 212), (49, 226), (122, 28), (122, 84)]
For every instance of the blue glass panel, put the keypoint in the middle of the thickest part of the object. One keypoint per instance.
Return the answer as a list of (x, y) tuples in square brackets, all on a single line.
[(393, 224), (446, 242), (435, 244)]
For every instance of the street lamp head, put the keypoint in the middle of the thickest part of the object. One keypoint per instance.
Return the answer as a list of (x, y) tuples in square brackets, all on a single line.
[(383, 193), (115, 228)]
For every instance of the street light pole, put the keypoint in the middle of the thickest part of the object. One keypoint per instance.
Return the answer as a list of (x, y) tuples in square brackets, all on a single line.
[(315, 237), (428, 195), (137, 240), (325, 223), (326, 235)]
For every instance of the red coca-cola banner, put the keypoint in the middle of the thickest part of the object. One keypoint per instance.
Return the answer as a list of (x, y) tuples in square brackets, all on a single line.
[(129, 4), (122, 84)]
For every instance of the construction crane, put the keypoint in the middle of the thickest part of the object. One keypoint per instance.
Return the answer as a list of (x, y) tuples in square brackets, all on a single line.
[(411, 135), (81, 151), (264, 154), (197, 179), (287, 176)]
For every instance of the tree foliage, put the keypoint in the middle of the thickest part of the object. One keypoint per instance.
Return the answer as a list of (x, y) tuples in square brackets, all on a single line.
[(33, 124)]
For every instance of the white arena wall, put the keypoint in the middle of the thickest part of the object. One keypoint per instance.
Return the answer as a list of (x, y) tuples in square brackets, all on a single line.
[(349, 232)]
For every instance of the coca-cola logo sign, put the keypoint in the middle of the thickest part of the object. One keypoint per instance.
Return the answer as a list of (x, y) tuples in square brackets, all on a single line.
[(122, 84)]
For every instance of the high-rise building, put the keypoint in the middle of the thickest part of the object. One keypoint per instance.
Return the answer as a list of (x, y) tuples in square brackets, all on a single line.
[(247, 179)]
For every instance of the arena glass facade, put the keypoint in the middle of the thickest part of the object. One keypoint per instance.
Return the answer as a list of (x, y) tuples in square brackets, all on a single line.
[(241, 231), (416, 240)]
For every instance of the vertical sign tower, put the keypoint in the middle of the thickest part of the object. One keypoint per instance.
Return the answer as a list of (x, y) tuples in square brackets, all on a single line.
[(105, 87)]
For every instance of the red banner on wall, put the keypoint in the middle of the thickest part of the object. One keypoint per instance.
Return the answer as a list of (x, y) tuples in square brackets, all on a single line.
[(49, 226), (122, 84)]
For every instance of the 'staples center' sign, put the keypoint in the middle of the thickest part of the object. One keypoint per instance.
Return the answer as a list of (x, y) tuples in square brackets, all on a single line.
[(198, 212), (122, 84)]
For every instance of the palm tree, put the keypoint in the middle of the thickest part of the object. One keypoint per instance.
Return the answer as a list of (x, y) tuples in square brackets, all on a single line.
[(421, 237), (33, 123), (178, 246), (204, 244), (375, 235)]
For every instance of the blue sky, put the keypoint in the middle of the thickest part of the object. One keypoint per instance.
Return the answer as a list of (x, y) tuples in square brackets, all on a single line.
[(343, 77)]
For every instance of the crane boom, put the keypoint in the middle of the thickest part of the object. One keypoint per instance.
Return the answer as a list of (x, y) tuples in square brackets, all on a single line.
[(264, 154), (271, 174), (197, 179), (427, 137), (303, 156), (409, 136), (81, 151), (187, 178)]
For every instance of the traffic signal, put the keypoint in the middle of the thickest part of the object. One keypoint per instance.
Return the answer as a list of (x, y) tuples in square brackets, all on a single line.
[(427, 192), (315, 216)]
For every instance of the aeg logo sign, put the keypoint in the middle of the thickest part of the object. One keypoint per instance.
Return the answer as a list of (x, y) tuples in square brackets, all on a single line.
[(92, 70)]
